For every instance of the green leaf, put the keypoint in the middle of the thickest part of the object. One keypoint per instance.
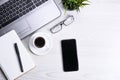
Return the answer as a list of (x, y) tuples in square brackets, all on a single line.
[(74, 4)]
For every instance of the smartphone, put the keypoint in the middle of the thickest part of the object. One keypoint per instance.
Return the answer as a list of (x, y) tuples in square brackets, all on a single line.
[(69, 55)]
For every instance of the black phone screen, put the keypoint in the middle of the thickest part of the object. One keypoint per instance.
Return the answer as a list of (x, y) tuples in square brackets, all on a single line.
[(69, 55)]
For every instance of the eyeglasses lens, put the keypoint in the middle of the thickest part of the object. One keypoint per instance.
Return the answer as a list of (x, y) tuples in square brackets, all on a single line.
[(56, 28), (69, 20)]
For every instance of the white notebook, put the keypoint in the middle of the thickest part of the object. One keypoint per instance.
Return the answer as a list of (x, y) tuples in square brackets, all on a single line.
[(8, 56)]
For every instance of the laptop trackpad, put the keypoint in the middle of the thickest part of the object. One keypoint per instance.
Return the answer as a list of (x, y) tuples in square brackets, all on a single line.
[(19, 26)]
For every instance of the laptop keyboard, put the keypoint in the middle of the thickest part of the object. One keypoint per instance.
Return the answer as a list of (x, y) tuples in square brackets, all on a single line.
[(14, 9)]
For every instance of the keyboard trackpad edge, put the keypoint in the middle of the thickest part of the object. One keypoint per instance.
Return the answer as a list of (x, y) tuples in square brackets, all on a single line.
[(19, 26)]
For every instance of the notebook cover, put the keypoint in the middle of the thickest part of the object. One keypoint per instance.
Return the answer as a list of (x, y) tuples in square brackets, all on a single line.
[(8, 56)]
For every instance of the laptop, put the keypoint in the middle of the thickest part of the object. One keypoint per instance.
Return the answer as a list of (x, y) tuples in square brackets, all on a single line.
[(26, 16)]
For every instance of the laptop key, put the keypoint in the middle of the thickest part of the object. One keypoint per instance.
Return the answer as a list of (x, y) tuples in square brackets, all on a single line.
[(28, 1), (0, 22), (9, 21), (39, 2), (29, 5)]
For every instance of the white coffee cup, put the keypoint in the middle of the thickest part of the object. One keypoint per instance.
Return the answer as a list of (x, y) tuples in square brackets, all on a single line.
[(40, 43)]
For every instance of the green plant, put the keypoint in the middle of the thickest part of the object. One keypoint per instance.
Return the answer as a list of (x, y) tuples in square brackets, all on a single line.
[(74, 4)]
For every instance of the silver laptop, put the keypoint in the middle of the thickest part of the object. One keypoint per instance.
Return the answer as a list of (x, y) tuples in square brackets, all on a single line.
[(26, 16)]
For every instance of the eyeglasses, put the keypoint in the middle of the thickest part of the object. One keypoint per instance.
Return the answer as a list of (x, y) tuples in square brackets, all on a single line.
[(65, 22)]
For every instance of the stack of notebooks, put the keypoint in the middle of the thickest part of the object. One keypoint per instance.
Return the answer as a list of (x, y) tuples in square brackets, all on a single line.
[(14, 58)]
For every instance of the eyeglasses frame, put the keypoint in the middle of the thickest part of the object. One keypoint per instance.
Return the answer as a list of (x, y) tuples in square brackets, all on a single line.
[(61, 24)]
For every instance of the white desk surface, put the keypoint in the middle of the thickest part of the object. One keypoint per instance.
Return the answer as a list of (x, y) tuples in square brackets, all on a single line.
[(97, 31)]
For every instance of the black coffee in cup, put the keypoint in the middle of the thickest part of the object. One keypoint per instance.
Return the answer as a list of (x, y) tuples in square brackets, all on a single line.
[(39, 42)]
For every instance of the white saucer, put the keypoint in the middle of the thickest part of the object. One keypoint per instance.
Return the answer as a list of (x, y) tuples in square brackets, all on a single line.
[(44, 50)]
